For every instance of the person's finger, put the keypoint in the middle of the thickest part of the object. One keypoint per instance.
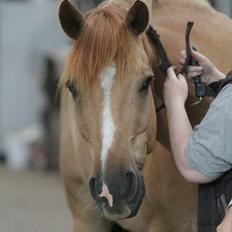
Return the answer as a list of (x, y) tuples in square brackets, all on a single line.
[(181, 78), (194, 74), (183, 54), (182, 61), (198, 56), (195, 69), (171, 73)]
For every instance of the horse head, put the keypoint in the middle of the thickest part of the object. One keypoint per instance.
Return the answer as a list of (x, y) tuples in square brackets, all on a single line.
[(107, 80)]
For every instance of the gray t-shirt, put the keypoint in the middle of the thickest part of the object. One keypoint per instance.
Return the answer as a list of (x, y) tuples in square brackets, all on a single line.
[(209, 149)]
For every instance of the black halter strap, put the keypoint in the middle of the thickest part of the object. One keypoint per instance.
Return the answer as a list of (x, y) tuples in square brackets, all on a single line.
[(154, 38)]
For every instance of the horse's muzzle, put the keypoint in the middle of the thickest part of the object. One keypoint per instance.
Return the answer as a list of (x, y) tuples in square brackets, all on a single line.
[(119, 195)]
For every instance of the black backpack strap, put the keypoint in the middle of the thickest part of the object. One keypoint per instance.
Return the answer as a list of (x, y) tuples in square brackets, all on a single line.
[(212, 202), (226, 81), (217, 86), (207, 208)]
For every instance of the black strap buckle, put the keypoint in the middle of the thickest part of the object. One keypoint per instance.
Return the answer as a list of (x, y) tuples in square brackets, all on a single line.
[(201, 89)]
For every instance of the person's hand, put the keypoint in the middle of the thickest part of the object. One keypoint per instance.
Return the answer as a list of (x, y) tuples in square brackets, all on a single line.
[(208, 71), (175, 89), (226, 225)]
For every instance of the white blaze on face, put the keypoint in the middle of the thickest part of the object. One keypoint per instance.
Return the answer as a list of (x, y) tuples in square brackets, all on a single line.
[(108, 127)]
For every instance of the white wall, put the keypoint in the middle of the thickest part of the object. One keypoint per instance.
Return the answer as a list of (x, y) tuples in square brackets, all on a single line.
[(28, 31)]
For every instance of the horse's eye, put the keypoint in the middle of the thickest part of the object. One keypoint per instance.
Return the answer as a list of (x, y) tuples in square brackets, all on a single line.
[(72, 88), (146, 83)]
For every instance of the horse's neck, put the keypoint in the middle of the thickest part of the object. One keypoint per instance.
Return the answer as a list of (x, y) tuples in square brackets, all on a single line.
[(126, 4), (158, 3), (211, 35)]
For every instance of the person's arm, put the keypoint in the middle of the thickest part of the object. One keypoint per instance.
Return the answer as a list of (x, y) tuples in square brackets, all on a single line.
[(180, 130), (226, 225)]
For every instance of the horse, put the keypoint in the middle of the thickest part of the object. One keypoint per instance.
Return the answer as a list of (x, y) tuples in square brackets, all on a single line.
[(114, 168)]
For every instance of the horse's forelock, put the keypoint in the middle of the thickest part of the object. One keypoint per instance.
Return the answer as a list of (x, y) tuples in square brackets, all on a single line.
[(104, 40)]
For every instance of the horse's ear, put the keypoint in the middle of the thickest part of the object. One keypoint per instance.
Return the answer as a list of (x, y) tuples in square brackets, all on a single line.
[(137, 18), (71, 19)]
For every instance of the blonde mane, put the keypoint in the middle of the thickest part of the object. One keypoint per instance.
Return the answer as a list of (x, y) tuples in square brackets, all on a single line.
[(105, 39)]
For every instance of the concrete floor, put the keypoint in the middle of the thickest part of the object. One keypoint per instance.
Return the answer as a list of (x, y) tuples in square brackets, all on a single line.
[(32, 202)]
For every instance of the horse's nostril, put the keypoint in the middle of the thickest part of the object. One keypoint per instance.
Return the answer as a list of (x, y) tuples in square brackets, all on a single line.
[(131, 185), (121, 186), (95, 187)]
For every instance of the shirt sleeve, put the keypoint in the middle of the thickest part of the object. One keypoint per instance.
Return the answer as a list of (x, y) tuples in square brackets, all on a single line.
[(209, 149)]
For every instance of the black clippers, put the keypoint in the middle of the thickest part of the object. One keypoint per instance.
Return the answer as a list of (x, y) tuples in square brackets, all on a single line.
[(201, 89)]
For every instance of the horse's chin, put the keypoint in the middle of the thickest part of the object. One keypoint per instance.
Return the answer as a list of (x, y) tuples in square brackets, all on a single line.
[(113, 214), (124, 209)]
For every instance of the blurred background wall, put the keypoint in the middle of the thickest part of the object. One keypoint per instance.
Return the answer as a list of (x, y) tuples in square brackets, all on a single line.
[(29, 32)]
